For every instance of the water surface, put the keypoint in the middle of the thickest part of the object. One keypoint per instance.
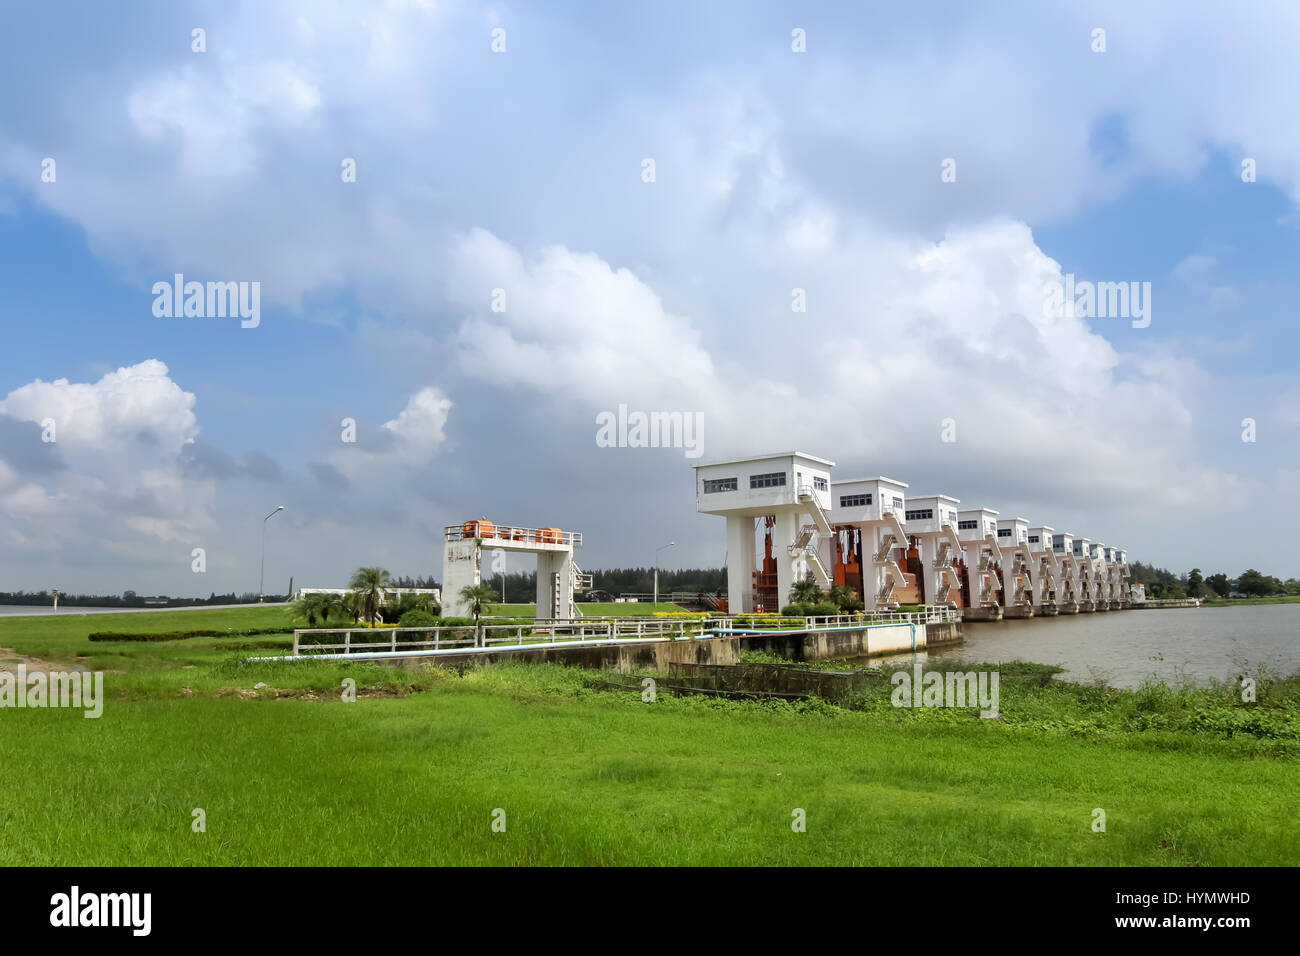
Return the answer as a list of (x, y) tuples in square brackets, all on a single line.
[(1123, 648)]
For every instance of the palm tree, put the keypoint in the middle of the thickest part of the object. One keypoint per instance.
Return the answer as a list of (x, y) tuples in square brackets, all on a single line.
[(311, 607), (369, 588), (806, 591), (844, 598), (476, 596)]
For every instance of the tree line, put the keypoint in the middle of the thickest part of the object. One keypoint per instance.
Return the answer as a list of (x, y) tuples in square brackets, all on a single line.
[(1163, 583)]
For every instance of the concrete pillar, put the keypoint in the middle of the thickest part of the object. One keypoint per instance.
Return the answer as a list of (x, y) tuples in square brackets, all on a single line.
[(461, 561), (870, 573), (783, 535), (740, 564), (929, 571)]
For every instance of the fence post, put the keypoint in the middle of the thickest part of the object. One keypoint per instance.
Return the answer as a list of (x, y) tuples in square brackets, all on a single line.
[(295, 642), (347, 642), (393, 644)]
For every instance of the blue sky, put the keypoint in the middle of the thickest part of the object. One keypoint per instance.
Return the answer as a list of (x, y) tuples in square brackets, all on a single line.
[(522, 170)]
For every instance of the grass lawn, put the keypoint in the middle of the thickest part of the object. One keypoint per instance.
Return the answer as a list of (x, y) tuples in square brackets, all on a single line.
[(411, 772)]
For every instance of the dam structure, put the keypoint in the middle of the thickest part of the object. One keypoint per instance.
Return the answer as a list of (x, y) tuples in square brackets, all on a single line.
[(892, 550)]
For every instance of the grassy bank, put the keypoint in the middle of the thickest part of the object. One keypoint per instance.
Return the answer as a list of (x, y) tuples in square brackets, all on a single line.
[(411, 772), (1234, 602)]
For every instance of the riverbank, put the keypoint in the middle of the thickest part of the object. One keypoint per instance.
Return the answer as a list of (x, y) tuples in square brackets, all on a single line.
[(1246, 602)]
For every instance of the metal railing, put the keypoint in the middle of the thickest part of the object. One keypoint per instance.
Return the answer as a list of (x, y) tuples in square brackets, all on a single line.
[(463, 637), (930, 614), (467, 638), (501, 532)]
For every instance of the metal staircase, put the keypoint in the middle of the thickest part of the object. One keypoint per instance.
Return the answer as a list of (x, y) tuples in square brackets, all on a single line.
[(805, 545)]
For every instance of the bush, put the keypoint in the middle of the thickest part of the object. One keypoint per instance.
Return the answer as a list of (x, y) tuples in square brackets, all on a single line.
[(456, 621), (794, 610), (418, 618), (822, 609)]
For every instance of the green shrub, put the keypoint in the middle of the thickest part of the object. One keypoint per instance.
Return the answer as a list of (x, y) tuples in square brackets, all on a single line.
[(418, 618), (822, 609)]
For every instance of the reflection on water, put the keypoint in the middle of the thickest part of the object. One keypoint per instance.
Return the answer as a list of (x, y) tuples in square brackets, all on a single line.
[(1123, 648)]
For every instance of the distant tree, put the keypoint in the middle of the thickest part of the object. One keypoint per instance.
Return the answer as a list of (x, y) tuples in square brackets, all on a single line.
[(1195, 583), (369, 587), (1219, 584), (1291, 586), (1253, 583)]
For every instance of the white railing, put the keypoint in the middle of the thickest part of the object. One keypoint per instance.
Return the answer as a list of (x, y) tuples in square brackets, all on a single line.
[(930, 614), (576, 630), (439, 640), (490, 531)]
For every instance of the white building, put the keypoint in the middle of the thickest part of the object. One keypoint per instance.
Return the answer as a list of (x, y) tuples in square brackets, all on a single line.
[(931, 522), (1017, 583), (558, 576), (789, 495), (1124, 574), (1044, 571), (1100, 576), (1067, 597), (867, 515), (1086, 576), (977, 529)]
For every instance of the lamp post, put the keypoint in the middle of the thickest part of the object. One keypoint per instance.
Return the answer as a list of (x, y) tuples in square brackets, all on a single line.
[(56, 600), (261, 577), (657, 550)]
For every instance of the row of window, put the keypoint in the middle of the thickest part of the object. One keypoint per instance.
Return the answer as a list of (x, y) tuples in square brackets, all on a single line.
[(854, 501), (1004, 532), (775, 479), (821, 484), (967, 525), (921, 514)]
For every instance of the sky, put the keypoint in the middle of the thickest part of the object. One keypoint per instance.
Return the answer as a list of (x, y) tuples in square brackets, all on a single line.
[(477, 228)]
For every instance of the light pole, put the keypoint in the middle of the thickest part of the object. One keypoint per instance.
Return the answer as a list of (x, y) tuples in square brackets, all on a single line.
[(657, 550), (56, 600), (261, 577)]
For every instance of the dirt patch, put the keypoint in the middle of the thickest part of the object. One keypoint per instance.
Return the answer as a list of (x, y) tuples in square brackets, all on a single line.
[(10, 659), (304, 693)]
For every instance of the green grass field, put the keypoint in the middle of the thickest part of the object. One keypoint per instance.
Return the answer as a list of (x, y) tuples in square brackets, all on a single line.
[(413, 770)]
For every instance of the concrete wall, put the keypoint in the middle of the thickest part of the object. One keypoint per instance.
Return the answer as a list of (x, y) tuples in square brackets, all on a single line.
[(848, 642)]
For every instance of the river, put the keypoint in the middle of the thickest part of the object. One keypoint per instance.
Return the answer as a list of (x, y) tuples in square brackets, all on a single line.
[(1124, 648)]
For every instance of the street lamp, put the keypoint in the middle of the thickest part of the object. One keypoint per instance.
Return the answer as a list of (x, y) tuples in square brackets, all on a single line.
[(261, 577), (657, 550)]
